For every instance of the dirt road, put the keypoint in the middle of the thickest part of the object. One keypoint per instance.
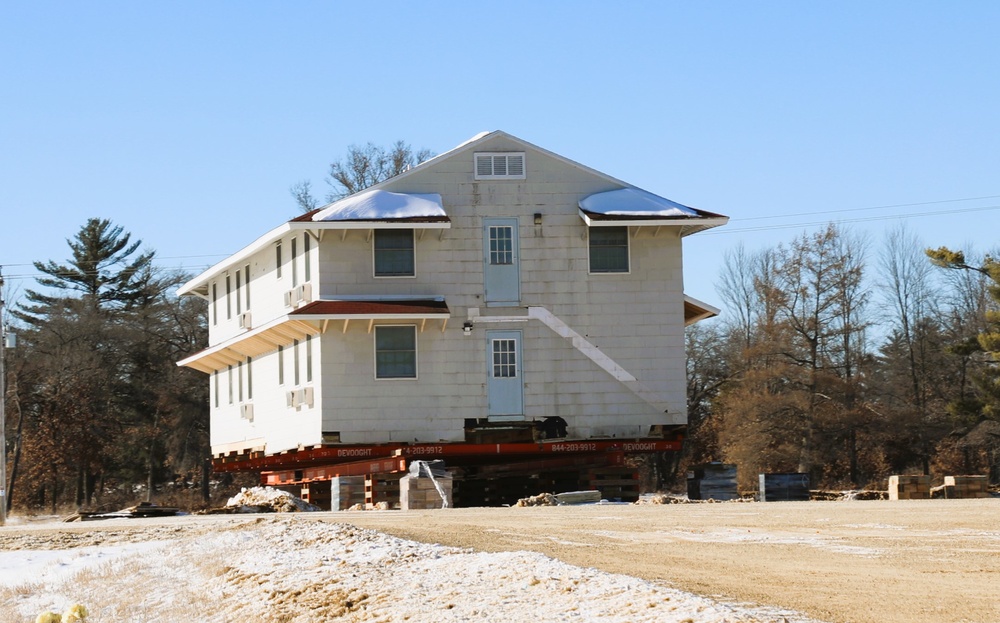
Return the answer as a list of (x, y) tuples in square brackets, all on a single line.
[(858, 562)]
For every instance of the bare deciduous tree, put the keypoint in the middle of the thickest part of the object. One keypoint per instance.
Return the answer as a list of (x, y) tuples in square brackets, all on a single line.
[(364, 166)]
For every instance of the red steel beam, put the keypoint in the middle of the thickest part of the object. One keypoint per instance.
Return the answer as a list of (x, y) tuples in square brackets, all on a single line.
[(326, 472), (335, 455)]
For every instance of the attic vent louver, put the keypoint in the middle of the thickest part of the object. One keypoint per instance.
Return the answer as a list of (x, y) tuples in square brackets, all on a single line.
[(500, 166)]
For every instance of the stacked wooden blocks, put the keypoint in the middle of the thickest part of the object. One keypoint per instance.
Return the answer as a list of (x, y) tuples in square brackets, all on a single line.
[(909, 487), (614, 483), (421, 492), (382, 488), (962, 487), (346, 491)]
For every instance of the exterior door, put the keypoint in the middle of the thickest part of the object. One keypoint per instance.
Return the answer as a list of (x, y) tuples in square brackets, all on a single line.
[(505, 383), (501, 277)]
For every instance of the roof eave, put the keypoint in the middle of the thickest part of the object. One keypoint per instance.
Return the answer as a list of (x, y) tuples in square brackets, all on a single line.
[(690, 224)]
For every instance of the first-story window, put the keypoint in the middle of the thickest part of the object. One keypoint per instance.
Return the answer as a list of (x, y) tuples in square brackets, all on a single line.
[(396, 352), (295, 361), (394, 253), (216, 388), (229, 381), (609, 250), (249, 378), (309, 359), (281, 365)]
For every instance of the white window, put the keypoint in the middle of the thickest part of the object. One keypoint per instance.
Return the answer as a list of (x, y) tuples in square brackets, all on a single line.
[(246, 272), (295, 362), (309, 359), (396, 352), (305, 255), (239, 286), (393, 251), (609, 250), (500, 166), (281, 365)]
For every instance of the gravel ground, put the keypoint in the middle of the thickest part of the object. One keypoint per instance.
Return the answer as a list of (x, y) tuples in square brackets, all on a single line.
[(936, 560), (858, 562)]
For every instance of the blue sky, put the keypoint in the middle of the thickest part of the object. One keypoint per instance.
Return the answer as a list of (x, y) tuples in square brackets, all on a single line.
[(186, 123)]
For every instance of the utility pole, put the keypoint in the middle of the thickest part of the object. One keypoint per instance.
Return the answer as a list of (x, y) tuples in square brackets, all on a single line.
[(3, 404)]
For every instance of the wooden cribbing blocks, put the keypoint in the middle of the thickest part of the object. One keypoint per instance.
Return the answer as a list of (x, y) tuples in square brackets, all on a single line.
[(962, 487), (909, 487)]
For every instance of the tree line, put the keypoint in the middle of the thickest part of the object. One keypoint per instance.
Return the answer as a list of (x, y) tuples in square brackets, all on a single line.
[(849, 365), (95, 402), (98, 413)]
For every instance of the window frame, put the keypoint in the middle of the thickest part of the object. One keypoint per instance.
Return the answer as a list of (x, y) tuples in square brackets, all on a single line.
[(590, 251), (277, 259), (413, 254), (281, 365), (375, 350), (507, 156)]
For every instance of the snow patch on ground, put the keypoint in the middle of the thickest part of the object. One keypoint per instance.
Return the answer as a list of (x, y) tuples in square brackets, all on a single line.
[(282, 569)]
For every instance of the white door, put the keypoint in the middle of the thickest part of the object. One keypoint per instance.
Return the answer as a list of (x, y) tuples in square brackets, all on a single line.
[(501, 274), (505, 382)]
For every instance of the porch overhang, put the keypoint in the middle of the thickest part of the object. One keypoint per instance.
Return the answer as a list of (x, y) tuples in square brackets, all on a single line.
[(313, 319), (686, 225)]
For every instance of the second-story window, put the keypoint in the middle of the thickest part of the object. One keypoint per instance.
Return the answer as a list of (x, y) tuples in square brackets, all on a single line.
[(295, 271), (609, 250), (394, 253), (215, 303), (229, 297), (239, 285), (305, 256), (277, 259), (246, 278)]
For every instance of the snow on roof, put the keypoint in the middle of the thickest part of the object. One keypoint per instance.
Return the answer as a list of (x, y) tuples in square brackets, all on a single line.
[(373, 205), (634, 202)]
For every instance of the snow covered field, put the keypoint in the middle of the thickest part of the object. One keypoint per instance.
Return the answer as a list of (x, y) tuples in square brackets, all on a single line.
[(281, 568)]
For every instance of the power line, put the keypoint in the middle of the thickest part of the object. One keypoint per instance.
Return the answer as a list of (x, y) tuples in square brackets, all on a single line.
[(885, 217), (885, 207)]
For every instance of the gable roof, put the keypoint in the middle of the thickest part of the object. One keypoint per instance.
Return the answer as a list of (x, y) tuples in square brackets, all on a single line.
[(393, 209)]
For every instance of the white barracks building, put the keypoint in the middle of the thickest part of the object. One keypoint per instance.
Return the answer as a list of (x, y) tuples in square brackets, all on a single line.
[(497, 286)]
